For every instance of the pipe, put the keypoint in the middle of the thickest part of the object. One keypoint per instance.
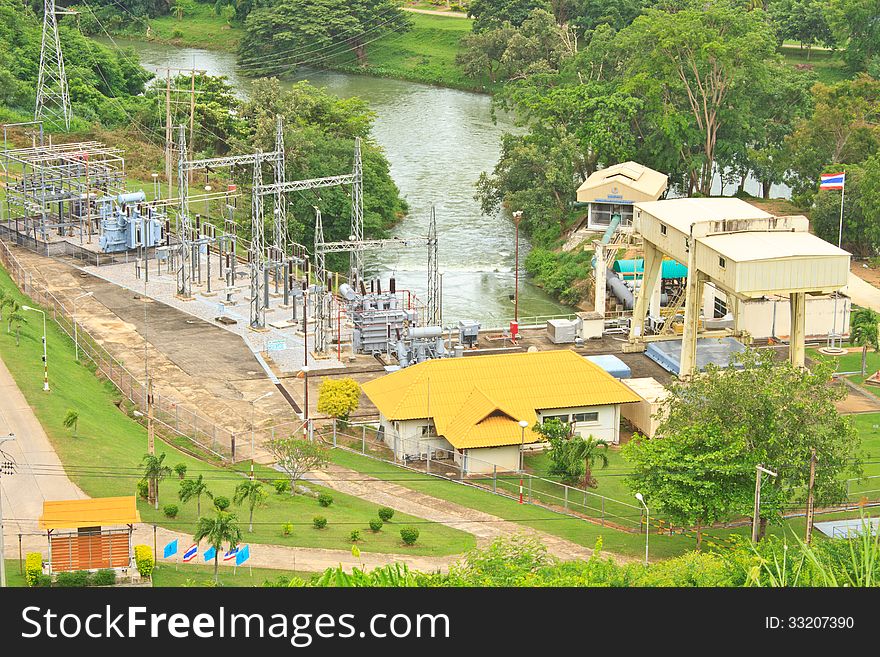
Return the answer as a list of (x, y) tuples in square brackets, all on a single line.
[(619, 289)]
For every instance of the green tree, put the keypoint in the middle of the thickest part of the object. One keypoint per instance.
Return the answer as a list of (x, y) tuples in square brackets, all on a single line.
[(222, 528), (844, 127), (782, 411), (863, 332), (155, 471), (290, 33), (804, 21), (701, 63), (194, 488), (71, 420), (12, 304), (339, 398), (297, 457), (16, 320), (694, 476), (490, 14), (858, 30), (571, 457), (861, 217), (252, 492)]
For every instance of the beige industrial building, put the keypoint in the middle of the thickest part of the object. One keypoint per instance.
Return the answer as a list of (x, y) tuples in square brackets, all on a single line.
[(614, 191), (742, 251)]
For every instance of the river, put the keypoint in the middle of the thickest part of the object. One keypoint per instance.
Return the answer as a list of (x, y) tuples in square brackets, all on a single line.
[(437, 141)]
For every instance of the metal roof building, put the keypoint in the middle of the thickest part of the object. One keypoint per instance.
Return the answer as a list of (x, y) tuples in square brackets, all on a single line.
[(614, 191)]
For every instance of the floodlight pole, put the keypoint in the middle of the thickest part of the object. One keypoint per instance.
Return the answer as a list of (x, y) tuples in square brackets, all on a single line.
[(641, 498), (759, 469), (45, 355)]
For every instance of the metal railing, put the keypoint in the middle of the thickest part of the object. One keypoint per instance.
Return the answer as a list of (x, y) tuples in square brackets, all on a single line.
[(428, 457)]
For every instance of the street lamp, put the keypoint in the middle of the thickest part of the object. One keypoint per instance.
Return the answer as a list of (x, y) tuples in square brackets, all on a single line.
[(253, 402), (156, 188), (641, 499), (45, 357), (208, 189), (522, 442), (305, 370), (517, 217), (7, 467), (75, 332)]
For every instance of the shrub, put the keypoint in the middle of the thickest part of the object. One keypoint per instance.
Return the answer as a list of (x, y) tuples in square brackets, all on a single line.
[(42, 581), (73, 579), (143, 489), (325, 499), (221, 503), (281, 486), (180, 469), (143, 559), (375, 524), (319, 522), (105, 577), (287, 528), (33, 567), (409, 535), (386, 513), (170, 510), (355, 535)]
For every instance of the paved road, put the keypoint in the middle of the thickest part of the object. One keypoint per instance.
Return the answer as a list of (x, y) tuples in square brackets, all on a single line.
[(863, 293), (24, 493)]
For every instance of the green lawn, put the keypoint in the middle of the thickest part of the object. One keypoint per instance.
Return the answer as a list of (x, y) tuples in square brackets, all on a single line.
[(169, 575), (828, 65), (199, 27), (425, 54), (103, 458)]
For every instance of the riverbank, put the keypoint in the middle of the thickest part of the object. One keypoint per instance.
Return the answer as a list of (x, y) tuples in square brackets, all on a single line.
[(426, 53)]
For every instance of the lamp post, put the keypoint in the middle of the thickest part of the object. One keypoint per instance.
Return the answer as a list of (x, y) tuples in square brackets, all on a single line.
[(75, 332), (45, 356), (522, 442), (517, 217), (641, 499), (207, 202), (156, 188), (253, 402), (7, 467)]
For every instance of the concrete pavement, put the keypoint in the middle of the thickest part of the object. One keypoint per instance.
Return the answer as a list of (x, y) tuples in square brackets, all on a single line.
[(863, 293)]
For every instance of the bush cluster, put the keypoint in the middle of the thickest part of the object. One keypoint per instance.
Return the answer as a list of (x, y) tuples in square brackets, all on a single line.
[(325, 499), (143, 559), (319, 522), (385, 514), (409, 535)]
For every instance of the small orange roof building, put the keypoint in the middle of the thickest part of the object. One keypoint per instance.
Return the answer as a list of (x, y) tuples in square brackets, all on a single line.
[(477, 402)]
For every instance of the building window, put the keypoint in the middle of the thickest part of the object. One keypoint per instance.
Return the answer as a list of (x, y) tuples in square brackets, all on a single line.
[(720, 309), (722, 262), (662, 229), (585, 417), (561, 418), (601, 213), (428, 430)]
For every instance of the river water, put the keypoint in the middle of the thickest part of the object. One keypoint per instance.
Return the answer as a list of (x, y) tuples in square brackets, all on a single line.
[(437, 141)]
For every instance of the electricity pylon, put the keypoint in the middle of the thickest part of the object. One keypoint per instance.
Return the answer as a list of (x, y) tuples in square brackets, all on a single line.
[(53, 95)]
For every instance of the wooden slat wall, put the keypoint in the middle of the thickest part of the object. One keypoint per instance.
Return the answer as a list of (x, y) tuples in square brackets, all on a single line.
[(90, 552)]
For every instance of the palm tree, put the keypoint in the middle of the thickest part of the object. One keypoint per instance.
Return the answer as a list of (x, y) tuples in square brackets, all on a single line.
[(194, 488), (5, 298), (71, 420), (222, 528), (155, 471), (589, 450), (16, 319), (863, 332), (253, 493), (13, 306)]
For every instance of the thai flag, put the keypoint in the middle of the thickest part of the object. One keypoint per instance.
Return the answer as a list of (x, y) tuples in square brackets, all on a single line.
[(191, 553), (230, 554), (832, 180)]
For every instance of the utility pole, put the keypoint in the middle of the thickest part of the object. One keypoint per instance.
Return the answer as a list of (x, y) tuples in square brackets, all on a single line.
[(810, 500), (7, 467), (756, 517), (517, 217), (168, 133)]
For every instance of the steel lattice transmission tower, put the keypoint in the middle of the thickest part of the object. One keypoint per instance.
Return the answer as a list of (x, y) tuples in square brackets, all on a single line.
[(433, 305), (257, 307), (356, 264), (53, 95), (279, 215)]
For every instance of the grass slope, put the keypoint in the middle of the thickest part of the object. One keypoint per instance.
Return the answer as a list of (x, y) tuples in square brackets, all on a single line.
[(103, 458)]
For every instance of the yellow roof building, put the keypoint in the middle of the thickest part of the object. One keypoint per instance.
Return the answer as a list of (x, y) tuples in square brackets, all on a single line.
[(478, 401), (93, 512)]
